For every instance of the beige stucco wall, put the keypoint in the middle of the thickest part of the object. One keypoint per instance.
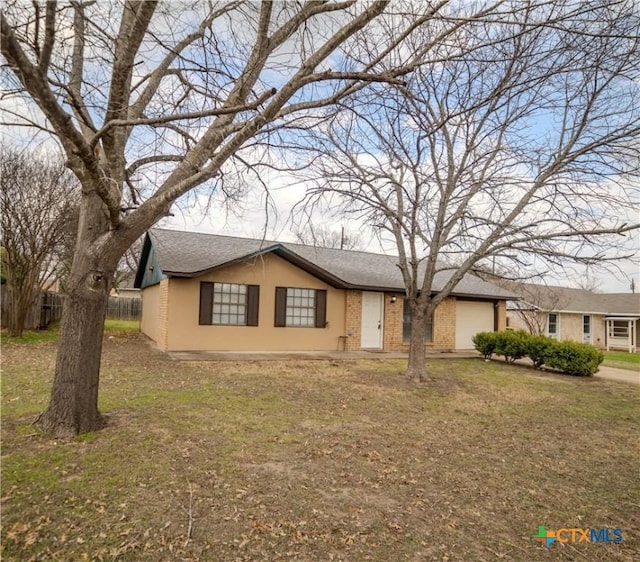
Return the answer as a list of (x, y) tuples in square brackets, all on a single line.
[(502, 315), (599, 330), (150, 312), (269, 272), (571, 328)]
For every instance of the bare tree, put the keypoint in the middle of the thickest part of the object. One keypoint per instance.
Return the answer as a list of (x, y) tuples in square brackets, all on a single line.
[(589, 283), (126, 270), (325, 237), (37, 199), (150, 100), (516, 140), (537, 301)]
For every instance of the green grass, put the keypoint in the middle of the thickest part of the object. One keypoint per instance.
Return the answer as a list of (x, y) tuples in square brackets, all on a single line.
[(121, 326), (50, 335), (317, 460), (622, 360), (34, 336)]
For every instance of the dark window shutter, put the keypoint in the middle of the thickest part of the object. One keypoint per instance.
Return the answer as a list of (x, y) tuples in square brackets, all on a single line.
[(206, 302), (281, 307), (321, 309), (253, 304)]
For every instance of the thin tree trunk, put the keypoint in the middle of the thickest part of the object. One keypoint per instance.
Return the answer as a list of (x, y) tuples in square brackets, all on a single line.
[(21, 300), (416, 367)]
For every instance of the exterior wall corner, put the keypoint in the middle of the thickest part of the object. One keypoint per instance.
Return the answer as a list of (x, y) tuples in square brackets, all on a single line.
[(163, 315), (353, 320)]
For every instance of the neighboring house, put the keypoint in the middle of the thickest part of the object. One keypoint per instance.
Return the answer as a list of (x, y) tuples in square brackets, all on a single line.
[(125, 287), (606, 320), (207, 292)]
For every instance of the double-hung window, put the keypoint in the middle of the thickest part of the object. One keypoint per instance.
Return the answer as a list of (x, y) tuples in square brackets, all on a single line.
[(229, 304), (300, 307), (552, 328)]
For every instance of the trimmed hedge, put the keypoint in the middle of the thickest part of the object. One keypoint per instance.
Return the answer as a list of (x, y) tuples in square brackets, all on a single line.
[(485, 343), (537, 348), (580, 359), (511, 345)]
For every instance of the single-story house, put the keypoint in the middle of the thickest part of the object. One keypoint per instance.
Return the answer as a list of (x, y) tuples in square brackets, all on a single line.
[(204, 292), (605, 320)]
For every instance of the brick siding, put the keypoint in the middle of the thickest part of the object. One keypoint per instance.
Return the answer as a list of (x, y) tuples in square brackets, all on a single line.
[(444, 323), (163, 315), (353, 320)]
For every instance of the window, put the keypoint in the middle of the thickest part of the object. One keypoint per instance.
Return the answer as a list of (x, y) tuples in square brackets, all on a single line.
[(552, 328), (299, 307), (229, 304), (406, 324), (586, 324)]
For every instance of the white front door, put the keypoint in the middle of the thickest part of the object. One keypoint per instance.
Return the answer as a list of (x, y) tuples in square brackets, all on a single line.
[(372, 320), (586, 329)]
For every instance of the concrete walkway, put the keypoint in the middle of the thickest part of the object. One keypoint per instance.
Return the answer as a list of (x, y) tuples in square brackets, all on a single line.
[(609, 373), (622, 375), (306, 355)]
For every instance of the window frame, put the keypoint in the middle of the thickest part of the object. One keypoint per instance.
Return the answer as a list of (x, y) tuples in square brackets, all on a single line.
[(556, 333), (207, 303), (282, 307), (218, 304)]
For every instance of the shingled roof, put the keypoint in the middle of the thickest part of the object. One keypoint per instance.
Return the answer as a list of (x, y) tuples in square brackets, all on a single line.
[(190, 254), (564, 299)]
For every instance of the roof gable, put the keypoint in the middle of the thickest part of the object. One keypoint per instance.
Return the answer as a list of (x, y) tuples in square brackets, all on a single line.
[(190, 254)]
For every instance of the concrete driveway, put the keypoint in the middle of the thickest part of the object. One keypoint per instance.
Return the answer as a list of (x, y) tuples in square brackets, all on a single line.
[(622, 375)]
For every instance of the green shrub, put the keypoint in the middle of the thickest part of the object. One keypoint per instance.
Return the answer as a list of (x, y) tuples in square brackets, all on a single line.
[(537, 347), (485, 343), (511, 345), (572, 358), (580, 359)]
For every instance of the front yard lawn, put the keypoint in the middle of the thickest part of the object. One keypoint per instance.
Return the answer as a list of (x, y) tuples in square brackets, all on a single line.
[(622, 360), (318, 460)]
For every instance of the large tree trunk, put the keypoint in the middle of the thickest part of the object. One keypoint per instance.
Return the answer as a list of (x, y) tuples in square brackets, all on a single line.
[(416, 367), (73, 407)]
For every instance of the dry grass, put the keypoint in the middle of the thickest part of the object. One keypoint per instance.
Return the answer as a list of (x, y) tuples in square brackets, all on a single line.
[(317, 460)]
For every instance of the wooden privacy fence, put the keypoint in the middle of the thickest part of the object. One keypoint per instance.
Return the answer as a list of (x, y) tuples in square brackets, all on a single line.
[(124, 308), (45, 309), (48, 309)]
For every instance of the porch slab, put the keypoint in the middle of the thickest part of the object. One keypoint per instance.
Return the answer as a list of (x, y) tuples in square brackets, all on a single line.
[(308, 355), (610, 373)]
